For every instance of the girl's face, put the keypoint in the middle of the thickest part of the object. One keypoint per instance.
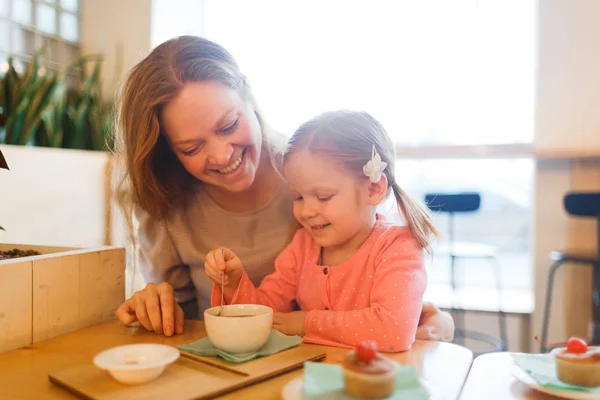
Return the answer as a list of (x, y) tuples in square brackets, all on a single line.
[(330, 202), (215, 135)]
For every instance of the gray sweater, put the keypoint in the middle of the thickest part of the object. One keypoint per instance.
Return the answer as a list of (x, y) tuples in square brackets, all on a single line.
[(174, 250)]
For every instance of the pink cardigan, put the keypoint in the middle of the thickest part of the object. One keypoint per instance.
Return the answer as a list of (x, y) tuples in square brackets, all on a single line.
[(375, 295)]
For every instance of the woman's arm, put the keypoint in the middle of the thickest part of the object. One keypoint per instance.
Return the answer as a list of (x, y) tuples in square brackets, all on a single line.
[(155, 306), (158, 260)]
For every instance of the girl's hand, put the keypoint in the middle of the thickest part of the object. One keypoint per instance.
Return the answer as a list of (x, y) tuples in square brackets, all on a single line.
[(291, 323), (224, 260)]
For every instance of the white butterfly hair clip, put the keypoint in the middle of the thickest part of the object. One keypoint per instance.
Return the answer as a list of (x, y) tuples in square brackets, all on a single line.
[(374, 167)]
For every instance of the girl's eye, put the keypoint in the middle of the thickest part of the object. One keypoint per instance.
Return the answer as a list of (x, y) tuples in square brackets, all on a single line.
[(298, 198), (324, 198), (231, 127)]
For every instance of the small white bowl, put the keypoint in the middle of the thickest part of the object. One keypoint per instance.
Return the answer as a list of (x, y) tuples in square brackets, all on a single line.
[(235, 334), (135, 364)]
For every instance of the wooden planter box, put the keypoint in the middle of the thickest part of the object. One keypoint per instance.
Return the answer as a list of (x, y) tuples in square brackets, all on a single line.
[(59, 291)]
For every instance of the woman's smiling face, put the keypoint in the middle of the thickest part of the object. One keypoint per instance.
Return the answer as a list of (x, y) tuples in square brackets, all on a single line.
[(215, 134)]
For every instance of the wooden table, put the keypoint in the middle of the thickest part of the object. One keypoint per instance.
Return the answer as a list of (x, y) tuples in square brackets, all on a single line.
[(490, 378), (24, 372)]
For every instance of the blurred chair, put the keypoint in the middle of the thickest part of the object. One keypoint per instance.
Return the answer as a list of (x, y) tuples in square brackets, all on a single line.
[(585, 205), (453, 203)]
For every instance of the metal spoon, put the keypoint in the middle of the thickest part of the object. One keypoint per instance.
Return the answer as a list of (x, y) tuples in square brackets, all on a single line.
[(222, 286)]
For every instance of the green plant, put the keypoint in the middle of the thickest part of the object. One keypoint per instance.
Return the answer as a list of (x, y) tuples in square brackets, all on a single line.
[(3, 164), (55, 109)]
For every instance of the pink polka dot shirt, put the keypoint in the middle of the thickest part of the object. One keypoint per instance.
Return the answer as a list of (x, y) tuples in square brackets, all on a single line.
[(376, 295)]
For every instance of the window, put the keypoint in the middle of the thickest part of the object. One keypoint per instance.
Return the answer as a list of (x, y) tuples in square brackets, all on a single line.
[(432, 71), (28, 25)]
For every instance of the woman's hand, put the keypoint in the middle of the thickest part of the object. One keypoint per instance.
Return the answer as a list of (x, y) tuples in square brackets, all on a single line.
[(435, 324), (155, 308), (291, 323), (221, 261)]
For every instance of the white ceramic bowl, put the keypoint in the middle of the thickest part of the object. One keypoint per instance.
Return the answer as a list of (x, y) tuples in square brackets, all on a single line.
[(235, 334), (135, 364)]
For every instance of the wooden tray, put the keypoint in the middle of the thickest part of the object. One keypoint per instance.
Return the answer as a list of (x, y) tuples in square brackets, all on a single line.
[(190, 377)]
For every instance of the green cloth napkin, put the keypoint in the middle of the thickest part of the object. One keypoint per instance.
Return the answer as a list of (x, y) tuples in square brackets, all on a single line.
[(541, 368), (326, 381), (276, 342)]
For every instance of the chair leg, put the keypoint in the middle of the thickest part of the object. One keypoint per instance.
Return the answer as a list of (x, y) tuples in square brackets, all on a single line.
[(453, 271), (596, 303), (547, 304), (457, 314), (501, 313)]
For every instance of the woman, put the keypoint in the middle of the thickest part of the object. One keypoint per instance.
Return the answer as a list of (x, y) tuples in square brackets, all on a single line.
[(200, 166)]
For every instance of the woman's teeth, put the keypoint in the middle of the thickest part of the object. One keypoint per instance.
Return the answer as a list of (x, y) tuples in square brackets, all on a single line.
[(320, 226), (233, 166)]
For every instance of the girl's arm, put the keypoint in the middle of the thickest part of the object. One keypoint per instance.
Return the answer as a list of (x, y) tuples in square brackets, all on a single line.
[(277, 290), (396, 298)]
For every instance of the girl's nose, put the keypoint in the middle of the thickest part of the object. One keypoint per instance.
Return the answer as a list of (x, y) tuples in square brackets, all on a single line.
[(308, 210), (219, 153)]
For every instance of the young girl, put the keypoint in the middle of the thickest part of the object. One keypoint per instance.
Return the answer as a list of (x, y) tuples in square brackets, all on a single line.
[(354, 275)]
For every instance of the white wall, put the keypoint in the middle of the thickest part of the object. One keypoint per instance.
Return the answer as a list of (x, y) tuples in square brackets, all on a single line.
[(568, 92), (172, 18), (53, 197), (108, 24), (133, 28)]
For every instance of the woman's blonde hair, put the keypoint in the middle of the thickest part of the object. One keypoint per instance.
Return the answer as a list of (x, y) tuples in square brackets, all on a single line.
[(349, 137), (153, 178)]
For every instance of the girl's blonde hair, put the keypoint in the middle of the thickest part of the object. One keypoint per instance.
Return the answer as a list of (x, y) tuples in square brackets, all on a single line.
[(153, 178), (349, 137)]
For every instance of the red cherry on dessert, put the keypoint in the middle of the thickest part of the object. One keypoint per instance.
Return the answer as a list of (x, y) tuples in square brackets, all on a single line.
[(576, 345), (367, 350)]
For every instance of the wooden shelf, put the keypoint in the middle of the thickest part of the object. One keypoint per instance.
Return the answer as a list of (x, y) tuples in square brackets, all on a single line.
[(494, 151)]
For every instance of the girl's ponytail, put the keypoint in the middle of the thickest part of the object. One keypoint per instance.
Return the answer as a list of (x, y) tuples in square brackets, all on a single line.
[(416, 215)]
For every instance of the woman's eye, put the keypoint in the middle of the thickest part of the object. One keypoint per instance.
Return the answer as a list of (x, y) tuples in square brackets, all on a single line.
[(231, 127), (298, 198), (191, 151), (324, 198)]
